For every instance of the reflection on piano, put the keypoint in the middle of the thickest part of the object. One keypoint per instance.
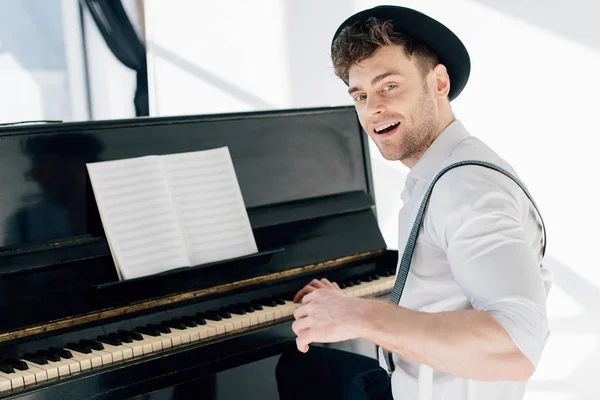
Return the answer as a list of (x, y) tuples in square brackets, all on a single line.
[(71, 330)]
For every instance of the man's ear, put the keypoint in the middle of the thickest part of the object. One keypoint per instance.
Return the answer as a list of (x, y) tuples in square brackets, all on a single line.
[(442, 81)]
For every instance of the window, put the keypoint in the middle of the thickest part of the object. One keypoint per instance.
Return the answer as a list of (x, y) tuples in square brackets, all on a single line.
[(42, 67)]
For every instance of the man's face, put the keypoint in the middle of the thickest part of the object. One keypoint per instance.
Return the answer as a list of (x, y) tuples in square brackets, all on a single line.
[(395, 104)]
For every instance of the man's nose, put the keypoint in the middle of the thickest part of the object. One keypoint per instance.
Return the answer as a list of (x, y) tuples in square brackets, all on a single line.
[(375, 105)]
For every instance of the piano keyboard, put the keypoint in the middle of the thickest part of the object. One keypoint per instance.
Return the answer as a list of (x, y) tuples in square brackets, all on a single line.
[(121, 346)]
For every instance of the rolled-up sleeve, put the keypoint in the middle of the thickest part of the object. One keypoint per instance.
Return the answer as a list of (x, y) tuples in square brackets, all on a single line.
[(493, 248)]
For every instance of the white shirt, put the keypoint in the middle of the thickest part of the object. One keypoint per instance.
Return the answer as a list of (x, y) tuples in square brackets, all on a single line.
[(480, 247)]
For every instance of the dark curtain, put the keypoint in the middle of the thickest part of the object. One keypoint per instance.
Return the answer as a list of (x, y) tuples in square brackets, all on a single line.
[(113, 23)]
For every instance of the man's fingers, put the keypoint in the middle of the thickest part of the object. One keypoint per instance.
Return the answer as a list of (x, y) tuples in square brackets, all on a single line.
[(303, 340), (328, 283), (312, 286), (315, 284), (319, 284), (303, 292), (301, 325), (301, 312)]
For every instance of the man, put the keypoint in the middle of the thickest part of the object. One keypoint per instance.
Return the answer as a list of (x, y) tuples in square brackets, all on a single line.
[(471, 323)]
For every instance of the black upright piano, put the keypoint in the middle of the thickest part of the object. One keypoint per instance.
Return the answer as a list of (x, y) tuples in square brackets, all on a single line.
[(70, 329)]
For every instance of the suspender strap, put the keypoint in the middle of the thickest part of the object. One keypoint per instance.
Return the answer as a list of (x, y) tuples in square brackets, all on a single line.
[(412, 239)]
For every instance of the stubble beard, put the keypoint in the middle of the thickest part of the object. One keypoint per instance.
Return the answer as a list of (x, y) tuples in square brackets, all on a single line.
[(416, 138)]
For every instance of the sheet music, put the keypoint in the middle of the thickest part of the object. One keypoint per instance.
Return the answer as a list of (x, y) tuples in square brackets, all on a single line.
[(138, 216), (209, 204)]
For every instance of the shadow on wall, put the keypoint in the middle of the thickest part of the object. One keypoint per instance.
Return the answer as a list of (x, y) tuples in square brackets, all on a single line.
[(569, 364), (310, 25), (576, 20)]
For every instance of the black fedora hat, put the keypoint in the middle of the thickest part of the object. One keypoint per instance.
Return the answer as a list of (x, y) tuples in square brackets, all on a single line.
[(441, 40)]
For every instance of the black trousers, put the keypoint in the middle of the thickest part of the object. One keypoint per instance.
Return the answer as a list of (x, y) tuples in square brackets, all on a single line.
[(330, 374)]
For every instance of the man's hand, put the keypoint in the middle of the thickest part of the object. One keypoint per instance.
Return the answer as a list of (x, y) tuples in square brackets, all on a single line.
[(327, 316), (314, 285)]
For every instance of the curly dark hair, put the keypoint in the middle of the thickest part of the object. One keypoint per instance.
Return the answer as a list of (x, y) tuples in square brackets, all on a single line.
[(359, 41)]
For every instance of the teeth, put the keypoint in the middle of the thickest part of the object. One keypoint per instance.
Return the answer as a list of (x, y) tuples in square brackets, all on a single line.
[(385, 126)]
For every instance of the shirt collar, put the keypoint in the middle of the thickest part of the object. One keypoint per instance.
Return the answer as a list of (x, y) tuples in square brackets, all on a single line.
[(441, 148)]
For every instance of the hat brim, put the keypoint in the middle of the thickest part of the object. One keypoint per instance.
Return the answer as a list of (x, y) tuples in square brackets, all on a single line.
[(441, 40)]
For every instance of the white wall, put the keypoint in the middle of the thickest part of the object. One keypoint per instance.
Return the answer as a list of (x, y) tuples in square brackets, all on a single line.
[(532, 96)]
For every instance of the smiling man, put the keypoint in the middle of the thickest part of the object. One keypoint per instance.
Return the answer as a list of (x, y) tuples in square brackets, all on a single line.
[(471, 322)]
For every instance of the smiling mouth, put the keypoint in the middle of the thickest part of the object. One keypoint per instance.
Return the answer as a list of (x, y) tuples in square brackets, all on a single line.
[(386, 128)]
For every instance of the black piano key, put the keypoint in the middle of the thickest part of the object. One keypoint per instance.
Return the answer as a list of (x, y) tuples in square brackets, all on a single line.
[(108, 339), (236, 309), (131, 334), (160, 327), (248, 308), (49, 356), (7, 369), (256, 306), (366, 278), (189, 321), (278, 300), (376, 276), (79, 347), (36, 358), (267, 302), (200, 319), (342, 285), (62, 353), (92, 344), (212, 315), (150, 331), (122, 336), (175, 323), (289, 296), (17, 364)]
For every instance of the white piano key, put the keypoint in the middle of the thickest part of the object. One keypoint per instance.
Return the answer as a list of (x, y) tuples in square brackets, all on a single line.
[(16, 380), (62, 367), (239, 321), (94, 359), (249, 319), (166, 341), (40, 374), (179, 337), (115, 352), (265, 315), (217, 325), (288, 309), (28, 377), (202, 332), (74, 365), (5, 385), (85, 364), (150, 344), (104, 355), (227, 324), (135, 347), (196, 333), (51, 370), (273, 313)]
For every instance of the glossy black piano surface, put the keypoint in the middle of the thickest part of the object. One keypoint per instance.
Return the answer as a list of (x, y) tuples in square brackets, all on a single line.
[(305, 178)]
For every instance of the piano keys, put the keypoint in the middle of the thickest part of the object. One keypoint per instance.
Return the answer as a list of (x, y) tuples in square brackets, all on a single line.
[(122, 346), (72, 330)]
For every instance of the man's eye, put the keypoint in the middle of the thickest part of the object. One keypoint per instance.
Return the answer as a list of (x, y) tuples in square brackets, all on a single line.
[(360, 97), (389, 87)]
